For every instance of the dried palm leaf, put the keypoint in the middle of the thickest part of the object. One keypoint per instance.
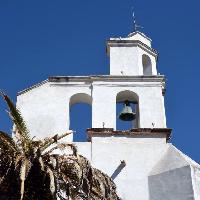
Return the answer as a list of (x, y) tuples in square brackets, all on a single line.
[(52, 140)]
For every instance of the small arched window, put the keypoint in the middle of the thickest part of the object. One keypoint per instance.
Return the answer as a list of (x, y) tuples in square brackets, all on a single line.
[(127, 102), (147, 65), (80, 115)]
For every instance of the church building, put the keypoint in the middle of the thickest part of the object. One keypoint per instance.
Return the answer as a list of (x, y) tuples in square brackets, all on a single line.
[(141, 161)]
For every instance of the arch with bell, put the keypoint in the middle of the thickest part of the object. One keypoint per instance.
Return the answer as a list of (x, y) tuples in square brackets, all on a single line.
[(129, 114), (133, 82)]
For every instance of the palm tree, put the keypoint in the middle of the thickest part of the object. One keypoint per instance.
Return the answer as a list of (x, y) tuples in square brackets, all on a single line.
[(31, 170)]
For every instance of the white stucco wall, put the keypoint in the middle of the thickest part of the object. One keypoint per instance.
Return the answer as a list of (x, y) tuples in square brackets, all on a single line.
[(140, 37), (175, 184), (127, 60), (46, 107), (126, 54), (151, 108), (196, 181), (124, 61), (140, 155), (155, 170)]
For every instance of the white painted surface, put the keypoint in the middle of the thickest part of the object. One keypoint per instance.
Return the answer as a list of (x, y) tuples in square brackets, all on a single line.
[(126, 55), (175, 184), (127, 60), (196, 181), (46, 108), (140, 155), (154, 169), (137, 36), (140, 37), (122, 61)]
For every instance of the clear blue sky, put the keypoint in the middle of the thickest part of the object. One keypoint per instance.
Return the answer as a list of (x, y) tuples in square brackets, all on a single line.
[(64, 37)]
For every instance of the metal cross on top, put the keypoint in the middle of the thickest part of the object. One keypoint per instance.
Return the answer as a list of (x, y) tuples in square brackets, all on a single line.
[(135, 25)]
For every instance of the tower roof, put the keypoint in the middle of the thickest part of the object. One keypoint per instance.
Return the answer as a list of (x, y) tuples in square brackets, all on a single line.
[(135, 36), (172, 159)]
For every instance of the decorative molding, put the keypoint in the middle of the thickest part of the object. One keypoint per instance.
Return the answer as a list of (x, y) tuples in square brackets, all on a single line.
[(109, 81), (107, 132), (154, 78), (128, 43)]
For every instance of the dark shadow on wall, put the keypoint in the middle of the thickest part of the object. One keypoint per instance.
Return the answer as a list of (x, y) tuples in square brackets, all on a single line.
[(174, 184), (118, 170)]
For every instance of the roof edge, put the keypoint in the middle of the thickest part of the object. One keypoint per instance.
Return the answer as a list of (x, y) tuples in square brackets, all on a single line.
[(91, 78), (142, 34), (32, 87), (118, 42), (104, 77)]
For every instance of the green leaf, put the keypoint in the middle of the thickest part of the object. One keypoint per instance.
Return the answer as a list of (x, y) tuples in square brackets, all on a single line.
[(19, 123)]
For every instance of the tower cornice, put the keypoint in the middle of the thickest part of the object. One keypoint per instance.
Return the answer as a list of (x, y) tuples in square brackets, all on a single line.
[(157, 78), (100, 78), (117, 42)]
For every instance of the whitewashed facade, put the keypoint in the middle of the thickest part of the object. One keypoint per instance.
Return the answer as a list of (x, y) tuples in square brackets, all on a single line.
[(142, 162)]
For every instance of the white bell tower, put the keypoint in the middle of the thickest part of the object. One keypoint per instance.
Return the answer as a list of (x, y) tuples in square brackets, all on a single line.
[(140, 160), (132, 55), (133, 77)]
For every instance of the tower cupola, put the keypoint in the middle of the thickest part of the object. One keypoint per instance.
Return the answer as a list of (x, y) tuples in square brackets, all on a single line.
[(132, 55)]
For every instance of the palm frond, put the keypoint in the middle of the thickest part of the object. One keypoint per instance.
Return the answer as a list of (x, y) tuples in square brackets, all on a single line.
[(41, 172), (52, 140), (74, 149), (52, 184), (19, 123), (8, 141), (60, 146), (6, 172), (22, 178)]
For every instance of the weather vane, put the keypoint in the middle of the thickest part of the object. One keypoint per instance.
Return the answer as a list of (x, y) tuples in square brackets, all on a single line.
[(135, 25)]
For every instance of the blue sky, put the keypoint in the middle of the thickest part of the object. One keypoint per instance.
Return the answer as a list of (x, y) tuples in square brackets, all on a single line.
[(39, 39)]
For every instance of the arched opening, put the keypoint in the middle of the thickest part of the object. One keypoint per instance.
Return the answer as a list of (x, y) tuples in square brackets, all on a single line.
[(80, 115), (127, 110), (147, 65)]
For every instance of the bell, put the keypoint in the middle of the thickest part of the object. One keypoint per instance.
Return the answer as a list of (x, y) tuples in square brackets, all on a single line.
[(127, 114)]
